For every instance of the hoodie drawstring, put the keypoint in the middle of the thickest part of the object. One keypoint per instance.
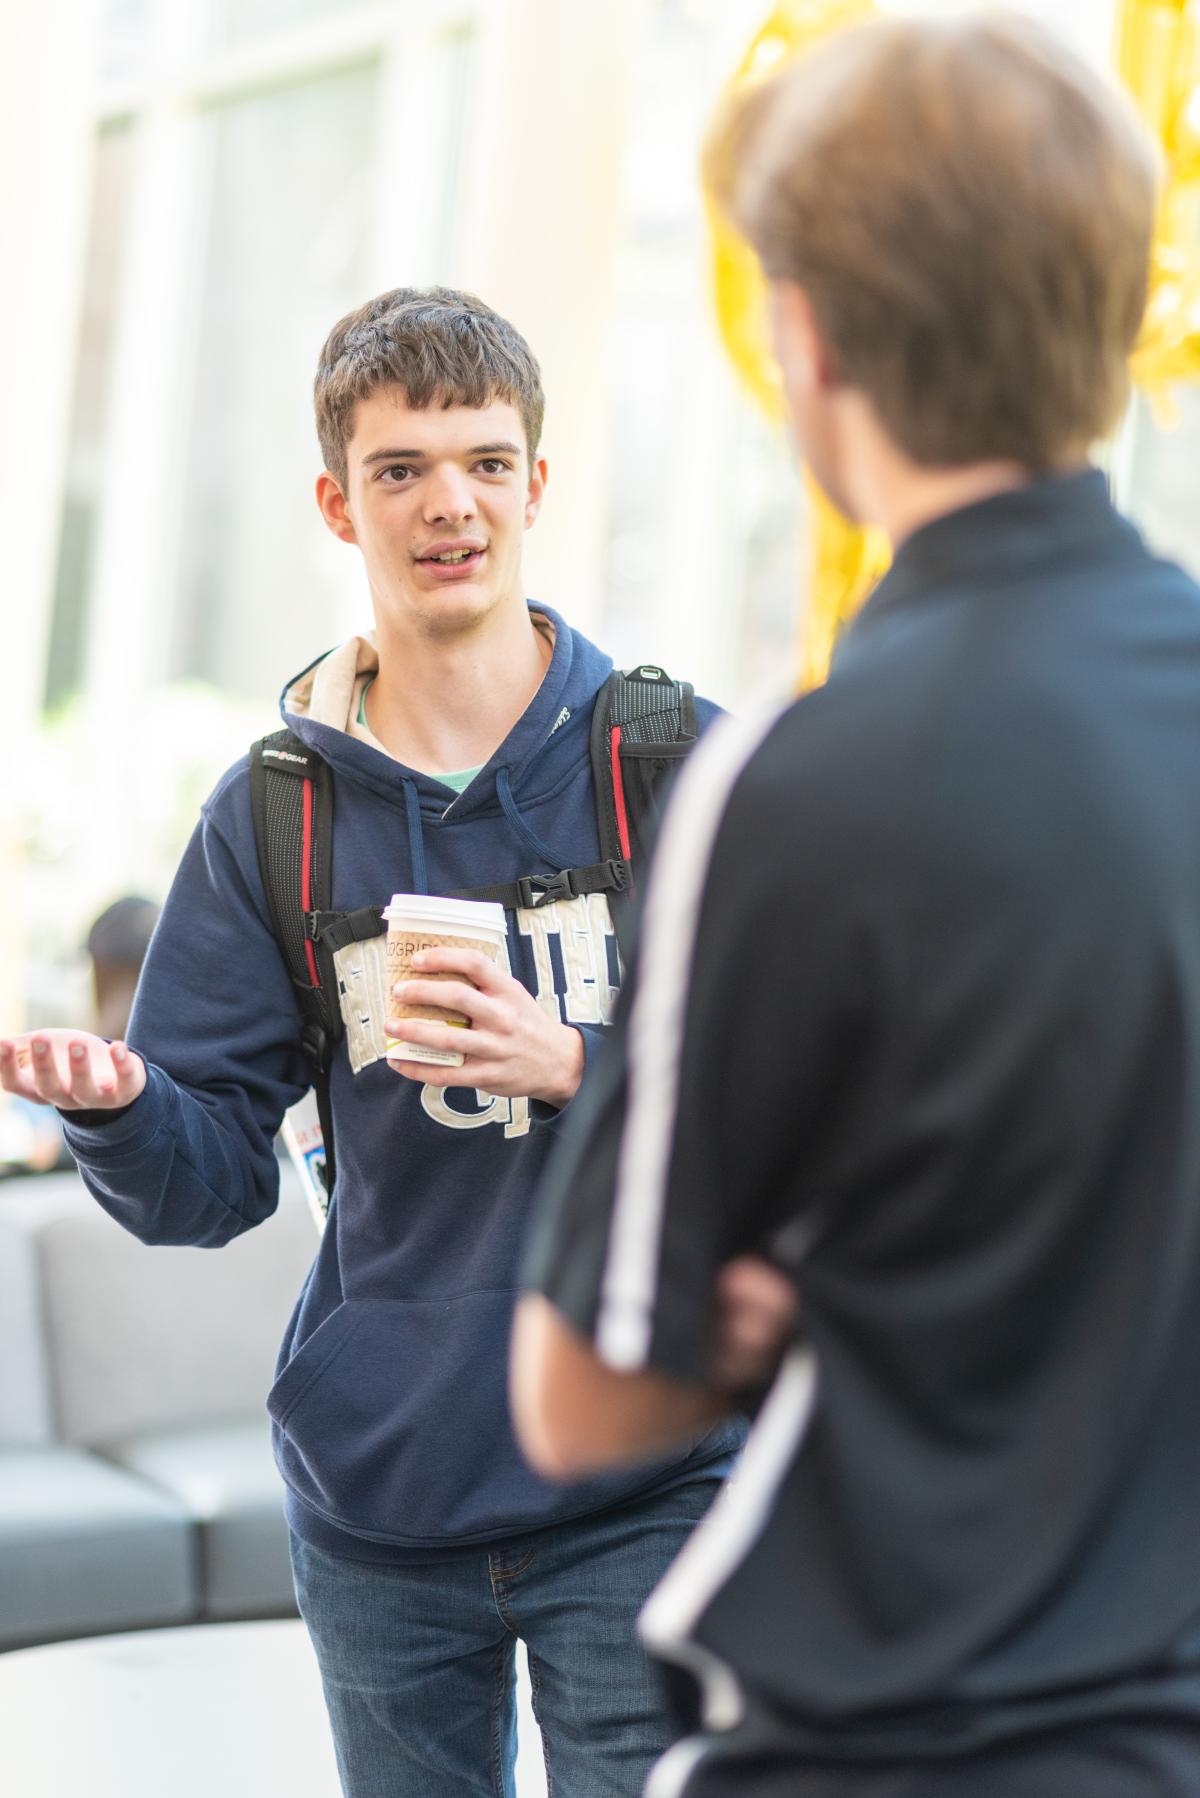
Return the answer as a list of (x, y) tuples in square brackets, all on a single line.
[(528, 836), (416, 839)]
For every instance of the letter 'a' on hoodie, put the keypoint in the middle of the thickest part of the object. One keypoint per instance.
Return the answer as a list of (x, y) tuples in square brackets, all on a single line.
[(389, 1409)]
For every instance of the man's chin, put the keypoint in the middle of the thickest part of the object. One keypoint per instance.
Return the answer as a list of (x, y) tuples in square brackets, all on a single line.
[(453, 611)]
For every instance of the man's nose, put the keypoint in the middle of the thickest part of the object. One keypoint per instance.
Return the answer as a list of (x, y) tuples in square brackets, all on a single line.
[(448, 495)]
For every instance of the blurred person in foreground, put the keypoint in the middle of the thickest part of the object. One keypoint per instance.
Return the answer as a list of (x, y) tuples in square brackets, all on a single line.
[(919, 985), (458, 737)]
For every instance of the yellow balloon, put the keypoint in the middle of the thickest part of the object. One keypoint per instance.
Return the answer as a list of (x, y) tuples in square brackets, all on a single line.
[(1158, 56), (738, 282)]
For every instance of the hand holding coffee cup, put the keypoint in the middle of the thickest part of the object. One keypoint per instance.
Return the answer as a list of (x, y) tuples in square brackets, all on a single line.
[(514, 1045), (417, 922)]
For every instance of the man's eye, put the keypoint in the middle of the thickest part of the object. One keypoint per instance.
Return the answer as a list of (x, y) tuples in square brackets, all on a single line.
[(493, 465), (395, 471)]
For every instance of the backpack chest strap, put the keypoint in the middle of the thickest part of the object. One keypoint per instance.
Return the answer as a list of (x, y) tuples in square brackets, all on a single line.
[(334, 929)]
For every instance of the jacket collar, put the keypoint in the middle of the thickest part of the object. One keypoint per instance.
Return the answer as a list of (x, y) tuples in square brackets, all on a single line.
[(998, 540)]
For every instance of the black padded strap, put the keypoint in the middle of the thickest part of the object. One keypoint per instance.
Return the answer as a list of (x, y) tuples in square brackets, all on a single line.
[(291, 802), (334, 929), (532, 890), (650, 707), (656, 717)]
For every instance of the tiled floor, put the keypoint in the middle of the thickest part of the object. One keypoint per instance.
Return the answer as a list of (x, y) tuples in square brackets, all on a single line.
[(233, 1709)]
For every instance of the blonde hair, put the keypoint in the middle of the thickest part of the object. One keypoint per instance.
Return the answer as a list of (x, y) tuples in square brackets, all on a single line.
[(969, 210)]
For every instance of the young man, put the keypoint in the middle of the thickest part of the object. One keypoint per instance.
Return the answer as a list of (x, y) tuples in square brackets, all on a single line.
[(458, 736), (919, 988)]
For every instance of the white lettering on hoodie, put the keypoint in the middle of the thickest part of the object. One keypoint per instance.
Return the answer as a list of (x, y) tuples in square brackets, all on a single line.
[(584, 930)]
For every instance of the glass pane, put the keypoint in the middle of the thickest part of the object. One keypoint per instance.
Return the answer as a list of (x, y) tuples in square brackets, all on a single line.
[(1166, 453), (720, 473), (233, 21), (122, 38), (89, 413), (259, 576), (769, 596), (1162, 487)]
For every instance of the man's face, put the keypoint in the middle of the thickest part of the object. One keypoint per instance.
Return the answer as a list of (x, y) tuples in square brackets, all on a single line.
[(438, 501)]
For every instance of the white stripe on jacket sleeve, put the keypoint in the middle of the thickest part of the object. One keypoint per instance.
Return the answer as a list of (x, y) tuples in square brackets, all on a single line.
[(624, 1326)]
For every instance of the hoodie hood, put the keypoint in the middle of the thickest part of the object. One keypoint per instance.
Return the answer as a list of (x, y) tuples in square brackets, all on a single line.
[(320, 701)]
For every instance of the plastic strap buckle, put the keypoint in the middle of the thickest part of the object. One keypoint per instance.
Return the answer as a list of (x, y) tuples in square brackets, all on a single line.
[(542, 889)]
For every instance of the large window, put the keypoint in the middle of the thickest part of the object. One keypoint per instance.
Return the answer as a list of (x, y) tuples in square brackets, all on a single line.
[(287, 252), (104, 256), (254, 168), (243, 198), (706, 531)]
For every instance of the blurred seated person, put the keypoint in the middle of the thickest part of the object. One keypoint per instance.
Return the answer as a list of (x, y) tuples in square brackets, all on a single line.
[(31, 1138), (117, 943)]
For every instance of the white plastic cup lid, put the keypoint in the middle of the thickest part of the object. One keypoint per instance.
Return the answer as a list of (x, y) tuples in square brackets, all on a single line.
[(446, 914)]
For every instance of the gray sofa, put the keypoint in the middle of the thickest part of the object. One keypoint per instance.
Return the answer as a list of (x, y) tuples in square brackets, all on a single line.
[(137, 1486)]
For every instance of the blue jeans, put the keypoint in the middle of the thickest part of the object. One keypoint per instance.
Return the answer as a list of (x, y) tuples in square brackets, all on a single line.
[(417, 1661)]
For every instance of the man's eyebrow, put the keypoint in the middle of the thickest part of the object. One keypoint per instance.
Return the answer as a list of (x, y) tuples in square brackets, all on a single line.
[(416, 455)]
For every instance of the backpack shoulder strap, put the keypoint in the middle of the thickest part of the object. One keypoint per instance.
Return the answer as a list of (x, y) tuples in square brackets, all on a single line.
[(291, 802), (643, 724)]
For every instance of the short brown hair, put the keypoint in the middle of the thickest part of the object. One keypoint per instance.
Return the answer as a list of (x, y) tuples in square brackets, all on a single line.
[(442, 347), (970, 211)]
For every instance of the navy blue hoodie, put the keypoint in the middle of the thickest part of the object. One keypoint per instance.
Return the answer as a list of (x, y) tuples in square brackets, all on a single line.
[(389, 1409)]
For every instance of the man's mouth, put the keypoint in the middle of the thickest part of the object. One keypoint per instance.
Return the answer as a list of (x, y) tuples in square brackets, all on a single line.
[(458, 557)]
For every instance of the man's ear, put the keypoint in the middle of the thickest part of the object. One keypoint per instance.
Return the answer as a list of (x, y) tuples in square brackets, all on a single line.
[(800, 349), (538, 475), (334, 509)]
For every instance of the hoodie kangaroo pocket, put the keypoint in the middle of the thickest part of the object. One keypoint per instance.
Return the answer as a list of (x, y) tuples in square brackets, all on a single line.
[(312, 1359), (394, 1423)]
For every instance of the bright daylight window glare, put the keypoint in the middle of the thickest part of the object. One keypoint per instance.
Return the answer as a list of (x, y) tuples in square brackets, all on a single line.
[(243, 181)]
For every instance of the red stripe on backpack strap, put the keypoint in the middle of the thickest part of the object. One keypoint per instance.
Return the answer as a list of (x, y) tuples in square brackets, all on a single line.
[(306, 880), (619, 793)]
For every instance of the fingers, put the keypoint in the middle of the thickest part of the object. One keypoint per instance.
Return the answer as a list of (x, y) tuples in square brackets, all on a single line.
[(30, 1068), (453, 1039), (71, 1070), (486, 1069), (479, 969), (447, 995), (73, 1076), (16, 1069), (751, 1282), (512, 1048), (757, 1308), (436, 1073), (130, 1072)]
